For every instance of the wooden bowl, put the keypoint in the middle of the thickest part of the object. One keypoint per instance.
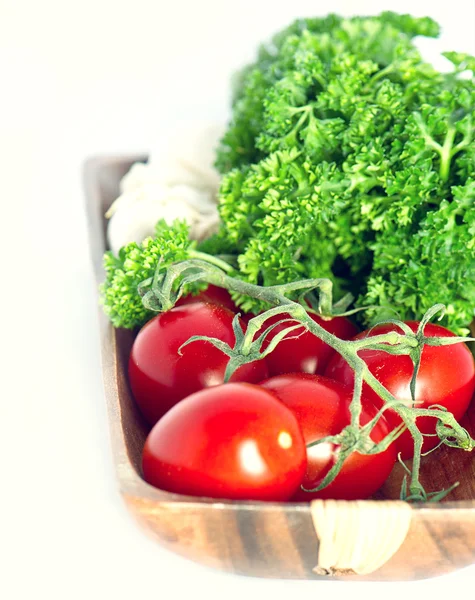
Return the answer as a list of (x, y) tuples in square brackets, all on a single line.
[(378, 539)]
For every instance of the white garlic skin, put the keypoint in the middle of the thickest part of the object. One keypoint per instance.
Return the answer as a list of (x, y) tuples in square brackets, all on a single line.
[(179, 182), (135, 220)]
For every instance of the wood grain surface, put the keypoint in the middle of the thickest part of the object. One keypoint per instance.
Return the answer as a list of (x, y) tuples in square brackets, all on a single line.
[(254, 538)]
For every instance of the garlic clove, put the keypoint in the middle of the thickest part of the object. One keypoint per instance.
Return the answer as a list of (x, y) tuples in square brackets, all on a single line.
[(135, 177), (136, 220), (137, 193), (192, 148), (179, 181), (202, 201)]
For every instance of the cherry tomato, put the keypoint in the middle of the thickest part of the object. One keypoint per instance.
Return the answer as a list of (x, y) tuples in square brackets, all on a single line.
[(233, 441), (303, 352), (212, 294), (159, 377), (322, 409), (246, 317), (446, 377)]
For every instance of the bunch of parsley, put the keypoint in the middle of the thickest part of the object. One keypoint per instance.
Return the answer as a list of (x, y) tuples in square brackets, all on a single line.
[(349, 157)]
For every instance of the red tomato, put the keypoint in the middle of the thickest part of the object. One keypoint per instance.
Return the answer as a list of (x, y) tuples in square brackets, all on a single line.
[(160, 377), (305, 353), (322, 409), (446, 377), (246, 317), (212, 294), (233, 441)]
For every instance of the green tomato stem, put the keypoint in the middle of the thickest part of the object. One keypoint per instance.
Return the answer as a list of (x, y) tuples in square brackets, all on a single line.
[(214, 260)]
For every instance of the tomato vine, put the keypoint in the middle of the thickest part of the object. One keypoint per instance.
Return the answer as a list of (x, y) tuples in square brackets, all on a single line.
[(161, 292)]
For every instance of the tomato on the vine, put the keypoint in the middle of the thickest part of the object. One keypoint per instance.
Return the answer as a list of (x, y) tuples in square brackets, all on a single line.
[(446, 377), (322, 409), (212, 294), (301, 351), (160, 377), (234, 441)]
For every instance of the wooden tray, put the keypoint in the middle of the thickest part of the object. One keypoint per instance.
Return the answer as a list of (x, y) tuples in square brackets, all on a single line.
[(380, 539)]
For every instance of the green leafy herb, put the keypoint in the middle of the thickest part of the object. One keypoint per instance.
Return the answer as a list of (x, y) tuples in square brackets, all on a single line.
[(136, 264), (348, 156)]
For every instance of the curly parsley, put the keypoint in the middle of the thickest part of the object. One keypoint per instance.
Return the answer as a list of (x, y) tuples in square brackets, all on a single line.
[(349, 156)]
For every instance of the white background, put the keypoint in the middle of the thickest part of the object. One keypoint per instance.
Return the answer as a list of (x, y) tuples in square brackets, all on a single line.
[(81, 78)]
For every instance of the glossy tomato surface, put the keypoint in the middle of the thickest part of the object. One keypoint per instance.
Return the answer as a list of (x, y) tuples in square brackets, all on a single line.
[(234, 441), (446, 377), (159, 377), (212, 294), (322, 409), (303, 352)]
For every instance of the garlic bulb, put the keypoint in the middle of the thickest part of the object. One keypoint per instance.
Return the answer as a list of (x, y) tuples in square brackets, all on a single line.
[(134, 220), (190, 153), (179, 182)]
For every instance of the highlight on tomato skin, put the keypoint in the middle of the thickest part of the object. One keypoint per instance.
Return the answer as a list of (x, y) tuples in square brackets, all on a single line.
[(446, 377), (160, 377), (304, 352), (321, 406), (234, 441)]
